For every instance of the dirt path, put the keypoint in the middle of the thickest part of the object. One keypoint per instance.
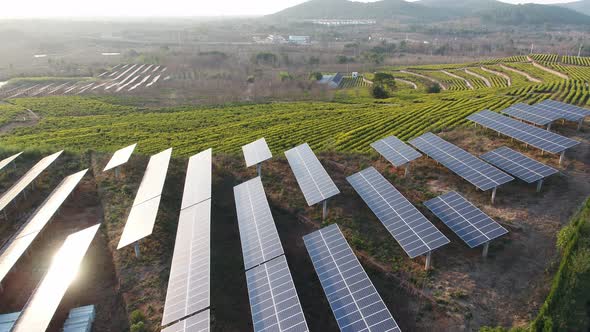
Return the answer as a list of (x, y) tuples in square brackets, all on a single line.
[(459, 78), (485, 80), (549, 70), (442, 86), (520, 72), (497, 73), (408, 82)]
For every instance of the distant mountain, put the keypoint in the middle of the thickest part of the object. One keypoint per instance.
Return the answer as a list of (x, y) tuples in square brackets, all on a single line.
[(489, 11), (343, 9), (579, 6)]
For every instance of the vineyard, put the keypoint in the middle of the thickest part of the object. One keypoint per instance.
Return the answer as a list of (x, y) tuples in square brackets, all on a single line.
[(353, 82)]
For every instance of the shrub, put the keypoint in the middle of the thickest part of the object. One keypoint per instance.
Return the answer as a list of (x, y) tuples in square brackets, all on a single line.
[(434, 88), (136, 317), (316, 76), (138, 327), (379, 92)]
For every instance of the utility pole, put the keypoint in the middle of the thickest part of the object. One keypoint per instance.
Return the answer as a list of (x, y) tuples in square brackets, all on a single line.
[(532, 47), (580, 50)]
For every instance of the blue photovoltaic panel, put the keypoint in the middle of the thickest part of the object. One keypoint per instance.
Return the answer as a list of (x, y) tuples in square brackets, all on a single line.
[(414, 233), (273, 299), (467, 221), (197, 323), (258, 233), (354, 301), (519, 165), (537, 137), (395, 151), (566, 111), (479, 173), (314, 181), (188, 285), (531, 114)]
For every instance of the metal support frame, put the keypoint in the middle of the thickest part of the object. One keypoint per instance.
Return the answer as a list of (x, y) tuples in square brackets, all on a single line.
[(539, 185), (117, 172), (428, 264), (494, 195), (324, 209), (549, 126), (136, 247), (407, 170), (580, 123), (259, 169), (486, 247), (561, 157)]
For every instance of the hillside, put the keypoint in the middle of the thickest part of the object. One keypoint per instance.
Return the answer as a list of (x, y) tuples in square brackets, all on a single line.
[(582, 6), (489, 11)]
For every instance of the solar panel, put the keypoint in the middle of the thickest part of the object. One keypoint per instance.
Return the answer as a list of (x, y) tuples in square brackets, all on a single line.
[(519, 165), (273, 299), (41, 307), (256, 152), (197, 186), (24, 181), (258, 233), (197, 323), (414, 233), (8, 160), (154, 177), (19, 243), (314, 181), (567, 111), (120, 157), (140, 222), (479, 173), (531, 114), (537, 137), (395, 151), (467, 221), (188, 285), (354, 301)]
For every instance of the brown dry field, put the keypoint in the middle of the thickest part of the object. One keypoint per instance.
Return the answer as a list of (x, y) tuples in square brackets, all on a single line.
[(463, 292)]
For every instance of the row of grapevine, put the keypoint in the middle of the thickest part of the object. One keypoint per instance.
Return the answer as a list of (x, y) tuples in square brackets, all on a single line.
[(476, 82), (495, 80), (453, 84), (574, 60), (545, 57), (353, 82), (574, 72), (516, 58)]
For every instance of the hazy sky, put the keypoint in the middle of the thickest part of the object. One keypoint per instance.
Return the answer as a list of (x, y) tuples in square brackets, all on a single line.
[(64, 8)]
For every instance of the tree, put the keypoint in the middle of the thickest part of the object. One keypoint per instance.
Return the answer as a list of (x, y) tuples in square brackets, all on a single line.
[(316, 76), (379, 92), (384, 79), (434, 88)]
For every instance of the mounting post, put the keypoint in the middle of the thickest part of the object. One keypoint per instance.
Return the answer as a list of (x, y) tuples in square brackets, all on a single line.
[(324, 209), (561, 157), (486, 247), (580, 123), (549, 126), (259, 169), (117, 172), (5, 215), (407, 170), (539, 184), (494, 194), (428, 261), (14, 165), (136, 247)]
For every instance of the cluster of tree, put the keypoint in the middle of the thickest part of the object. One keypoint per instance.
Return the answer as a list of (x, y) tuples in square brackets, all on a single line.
[(383, 83)]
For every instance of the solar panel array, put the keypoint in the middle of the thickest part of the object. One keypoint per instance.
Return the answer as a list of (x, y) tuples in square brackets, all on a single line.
[(537, 137), (479, 173), (566, 111), (142, 217), (20, 242), (354, 301), (395, 151), (519, 165), (188, 285), (120, 157), (197, 186), (26, 179), (197, 323), (532, 114), (273, 298), (467, 221), (414, 233), (41, 307), (256, 152), (189, 281), (8, 160), (258, 233), (314, 181)]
